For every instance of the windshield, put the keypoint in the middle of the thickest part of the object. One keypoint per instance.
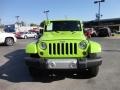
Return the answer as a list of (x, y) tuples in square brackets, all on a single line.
[(64, 26)]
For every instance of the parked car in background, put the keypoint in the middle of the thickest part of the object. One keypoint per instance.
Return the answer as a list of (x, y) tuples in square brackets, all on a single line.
[(87, 33), (90, 32), (117, 32), (26, 35), (7, 38), (104, 32)]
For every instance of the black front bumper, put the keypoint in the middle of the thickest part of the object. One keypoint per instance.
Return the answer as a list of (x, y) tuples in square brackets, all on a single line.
[(81, 64), (87, 63)]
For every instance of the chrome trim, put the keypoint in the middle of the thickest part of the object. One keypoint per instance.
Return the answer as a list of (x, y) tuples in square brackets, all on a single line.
[(62, 63)]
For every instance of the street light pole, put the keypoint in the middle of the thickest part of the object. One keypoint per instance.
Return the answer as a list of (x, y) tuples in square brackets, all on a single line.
[(98, 16), (17, 18), (0, 21), (17, 22), (99, 12), (46, 12)]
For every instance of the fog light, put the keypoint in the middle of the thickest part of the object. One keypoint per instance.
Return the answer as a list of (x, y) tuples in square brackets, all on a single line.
[(73, 65), (51, 64)]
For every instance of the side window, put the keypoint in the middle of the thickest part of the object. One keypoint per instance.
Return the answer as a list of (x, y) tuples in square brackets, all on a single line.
[(29, 32), (49, 27), (25, 33)]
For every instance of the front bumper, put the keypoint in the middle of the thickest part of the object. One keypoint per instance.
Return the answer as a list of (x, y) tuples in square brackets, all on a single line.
[(79, 64)]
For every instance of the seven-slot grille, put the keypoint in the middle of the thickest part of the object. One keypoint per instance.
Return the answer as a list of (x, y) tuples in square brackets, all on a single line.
[(62, 48)]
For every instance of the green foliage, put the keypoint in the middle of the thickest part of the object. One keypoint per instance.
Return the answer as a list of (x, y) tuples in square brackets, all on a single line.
[(33, 24), (42, 24), (2, 26), (23, 23)]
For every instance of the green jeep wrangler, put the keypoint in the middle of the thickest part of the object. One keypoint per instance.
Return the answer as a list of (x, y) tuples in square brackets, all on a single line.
[(63, 46)]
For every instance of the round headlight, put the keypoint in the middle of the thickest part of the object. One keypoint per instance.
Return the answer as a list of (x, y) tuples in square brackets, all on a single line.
[(83, 45), (43, 45)]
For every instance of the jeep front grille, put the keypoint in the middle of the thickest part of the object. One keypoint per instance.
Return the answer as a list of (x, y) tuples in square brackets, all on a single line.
[(62, 48)]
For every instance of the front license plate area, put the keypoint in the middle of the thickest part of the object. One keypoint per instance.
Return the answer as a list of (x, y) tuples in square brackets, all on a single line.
[(62, 63)]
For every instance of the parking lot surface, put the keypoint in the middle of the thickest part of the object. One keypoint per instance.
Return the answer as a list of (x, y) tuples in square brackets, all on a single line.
[(14, 74)]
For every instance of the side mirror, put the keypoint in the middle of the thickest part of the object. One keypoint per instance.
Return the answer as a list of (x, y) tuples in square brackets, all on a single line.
[(40, 33)]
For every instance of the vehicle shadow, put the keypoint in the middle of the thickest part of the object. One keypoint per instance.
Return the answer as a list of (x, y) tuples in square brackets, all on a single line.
[(55, 77), (2, 44), (111, 50), (15, 70)]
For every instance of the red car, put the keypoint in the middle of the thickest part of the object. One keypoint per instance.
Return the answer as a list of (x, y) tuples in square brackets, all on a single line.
[(87, 33)]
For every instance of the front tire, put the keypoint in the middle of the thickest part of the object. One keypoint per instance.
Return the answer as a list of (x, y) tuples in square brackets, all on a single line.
[(93, 71), (9, 41), (33, 71), (35, 36), (25, 37), (92, 55)]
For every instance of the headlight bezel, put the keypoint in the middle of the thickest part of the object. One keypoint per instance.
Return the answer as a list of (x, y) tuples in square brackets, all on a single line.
[(83, 44), (43, 45)]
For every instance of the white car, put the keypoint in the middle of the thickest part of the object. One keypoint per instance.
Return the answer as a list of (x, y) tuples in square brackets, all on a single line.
[(7, 38), (117, 32), (26, 35)]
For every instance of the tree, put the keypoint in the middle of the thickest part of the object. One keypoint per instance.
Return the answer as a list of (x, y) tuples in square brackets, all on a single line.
[(2, 26), (42, 24), (23, 23), (33, 24)]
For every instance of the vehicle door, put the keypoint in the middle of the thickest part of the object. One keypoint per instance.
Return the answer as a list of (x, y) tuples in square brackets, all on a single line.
[(30, 34), (1, 37)]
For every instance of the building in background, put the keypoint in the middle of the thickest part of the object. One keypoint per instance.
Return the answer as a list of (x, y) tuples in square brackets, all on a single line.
[(1, 28), (19, 28), (113, 24)]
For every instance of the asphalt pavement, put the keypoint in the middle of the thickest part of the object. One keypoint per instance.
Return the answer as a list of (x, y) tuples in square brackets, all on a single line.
[(14, 74)]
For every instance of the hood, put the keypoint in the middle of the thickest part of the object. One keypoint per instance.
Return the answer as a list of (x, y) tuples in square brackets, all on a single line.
[(64, 35)]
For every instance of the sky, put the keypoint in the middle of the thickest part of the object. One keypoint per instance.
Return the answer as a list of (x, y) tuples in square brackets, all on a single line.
[(31, 11)]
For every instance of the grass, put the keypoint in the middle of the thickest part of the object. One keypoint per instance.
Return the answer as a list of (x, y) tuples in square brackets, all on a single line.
[(116, 35)]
